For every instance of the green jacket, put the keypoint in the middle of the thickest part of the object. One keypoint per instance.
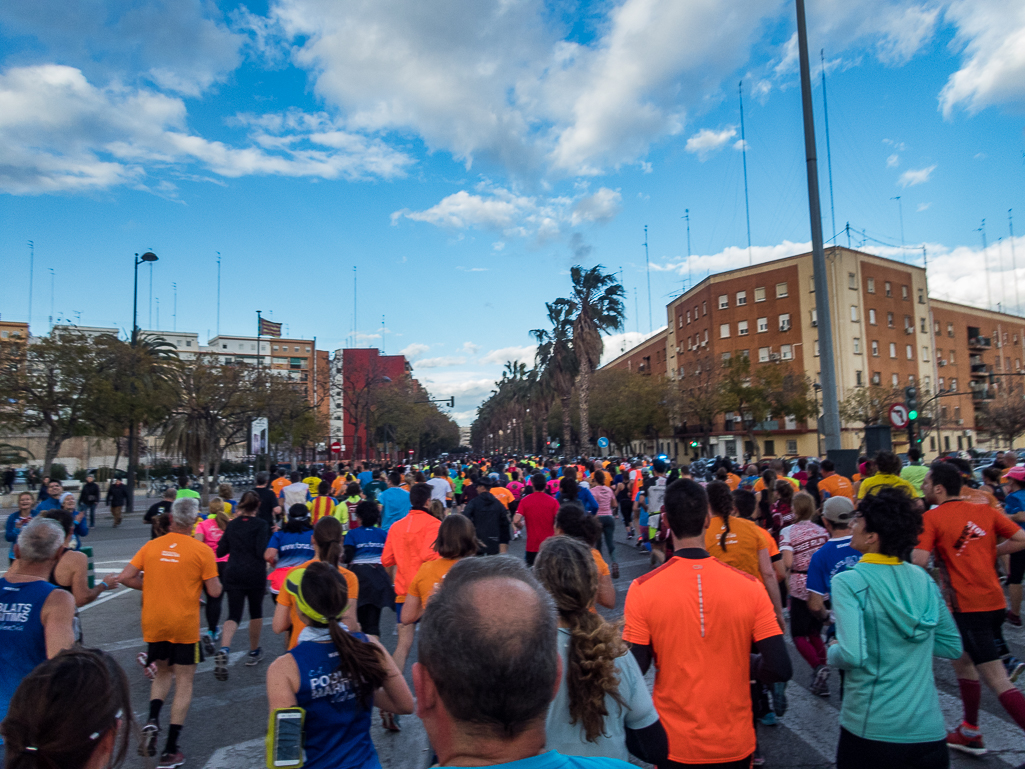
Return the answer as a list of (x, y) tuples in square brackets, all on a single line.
[(915, 474), (890, 622)]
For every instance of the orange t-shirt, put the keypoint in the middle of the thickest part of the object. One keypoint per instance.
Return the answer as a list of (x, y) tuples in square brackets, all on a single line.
[(176, 566), (503, 495), (603, 568), (769, 541), (980, 497), (837, 486), (733, 481), (278, 484), (760, 484), (286, 599), (700, 616), (428, 577), (338, 484), (742, 544), (409, 545), (964, 537)]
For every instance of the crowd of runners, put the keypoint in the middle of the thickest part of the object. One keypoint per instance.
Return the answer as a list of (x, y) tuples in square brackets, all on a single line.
[(869, 576)]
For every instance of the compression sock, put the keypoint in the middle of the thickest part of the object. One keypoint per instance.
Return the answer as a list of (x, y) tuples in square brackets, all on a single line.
[(172, 738), (154, 709), (1014, 704), (971, 696), (804, 646)]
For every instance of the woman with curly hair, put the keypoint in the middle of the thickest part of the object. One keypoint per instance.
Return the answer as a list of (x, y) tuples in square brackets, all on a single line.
[(602, 707), (890, 622)]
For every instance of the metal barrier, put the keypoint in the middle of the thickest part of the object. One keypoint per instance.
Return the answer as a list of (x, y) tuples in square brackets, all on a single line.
[(91, 571)]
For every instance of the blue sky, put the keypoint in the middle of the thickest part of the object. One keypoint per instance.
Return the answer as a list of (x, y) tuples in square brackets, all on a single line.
[(463, 155)]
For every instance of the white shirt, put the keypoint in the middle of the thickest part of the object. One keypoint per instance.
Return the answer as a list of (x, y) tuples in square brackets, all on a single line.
[(439, 488)]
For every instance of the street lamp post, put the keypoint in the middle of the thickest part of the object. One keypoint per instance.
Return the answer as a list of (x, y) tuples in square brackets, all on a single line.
[(133, 428)]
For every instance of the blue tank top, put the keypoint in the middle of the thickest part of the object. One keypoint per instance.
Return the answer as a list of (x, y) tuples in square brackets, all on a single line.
[(337, 725), (22, 636)]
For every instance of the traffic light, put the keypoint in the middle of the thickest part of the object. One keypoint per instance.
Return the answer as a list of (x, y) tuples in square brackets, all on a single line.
[(694, 444), (911, 402)]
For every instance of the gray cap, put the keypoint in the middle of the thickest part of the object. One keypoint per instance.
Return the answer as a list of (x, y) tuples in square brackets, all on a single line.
[(838, 510)]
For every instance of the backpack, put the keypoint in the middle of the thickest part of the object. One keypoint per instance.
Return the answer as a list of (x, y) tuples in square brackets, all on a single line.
[(295, 496)]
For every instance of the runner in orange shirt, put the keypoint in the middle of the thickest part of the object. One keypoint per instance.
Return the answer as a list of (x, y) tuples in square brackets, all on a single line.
[(457, 539), (697, 619), (834, 483), (279, 483)]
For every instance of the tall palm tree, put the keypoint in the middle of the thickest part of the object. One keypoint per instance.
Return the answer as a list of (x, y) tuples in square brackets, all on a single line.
[(597, 300), (556, 359)]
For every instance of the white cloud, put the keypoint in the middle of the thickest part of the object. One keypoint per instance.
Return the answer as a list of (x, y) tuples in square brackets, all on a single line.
[(415, 350), (923, 207), (497, 246), (741, 144), (514, 215), (360, 336), (59, 132), (707, 141), (441, 362), (893, 161), (730, 258), (470, 348), (616, 344), (911, 177), (991, 34), (523, 354)]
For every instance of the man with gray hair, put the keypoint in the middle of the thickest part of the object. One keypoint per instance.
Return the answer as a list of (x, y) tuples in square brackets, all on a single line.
[(36, 617), (486, 705), (176, 568)]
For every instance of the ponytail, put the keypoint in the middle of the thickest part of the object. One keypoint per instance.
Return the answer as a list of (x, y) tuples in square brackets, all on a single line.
[(327, 537)]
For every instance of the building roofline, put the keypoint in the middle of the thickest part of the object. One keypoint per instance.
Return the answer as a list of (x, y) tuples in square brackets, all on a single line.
[(654, 336), (958, 307)]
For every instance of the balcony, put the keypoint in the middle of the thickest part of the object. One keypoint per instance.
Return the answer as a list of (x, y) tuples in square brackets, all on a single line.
[(979, 343), (978, 367), (981, 394)]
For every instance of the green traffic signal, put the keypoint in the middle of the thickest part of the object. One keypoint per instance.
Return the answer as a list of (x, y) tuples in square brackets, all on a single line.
[(912, 415)]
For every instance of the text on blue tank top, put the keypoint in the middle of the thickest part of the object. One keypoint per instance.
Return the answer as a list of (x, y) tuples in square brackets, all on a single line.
[(337, 725)]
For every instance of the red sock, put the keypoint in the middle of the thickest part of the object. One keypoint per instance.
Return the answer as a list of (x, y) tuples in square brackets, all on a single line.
[(1014, 704), (820, 648), (971, 696), (807, 650)]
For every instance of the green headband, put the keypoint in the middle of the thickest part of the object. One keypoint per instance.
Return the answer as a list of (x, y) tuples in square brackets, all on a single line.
[(293, 584)]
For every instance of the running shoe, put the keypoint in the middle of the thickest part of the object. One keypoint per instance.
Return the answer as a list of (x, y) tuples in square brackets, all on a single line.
[(820, 684), (254, 657), (209, 647), (171, 760), (966, 743), (614, 568), (769, 719), (779, 698), (390, 721), (1014, 667), (149, 669), (758, 759), (148, 739), (221, 665), (1012, 619)]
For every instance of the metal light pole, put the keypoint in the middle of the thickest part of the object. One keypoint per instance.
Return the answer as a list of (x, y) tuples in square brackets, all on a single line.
[(133, 428)]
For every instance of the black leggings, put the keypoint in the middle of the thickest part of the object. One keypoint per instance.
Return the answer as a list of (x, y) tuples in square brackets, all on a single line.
[(856, 753), (213, 605), (369, 617), (237, 601)]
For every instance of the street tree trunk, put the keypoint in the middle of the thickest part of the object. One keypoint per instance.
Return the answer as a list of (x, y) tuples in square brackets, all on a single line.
[(584, 390), (53, 447), (567, 427)]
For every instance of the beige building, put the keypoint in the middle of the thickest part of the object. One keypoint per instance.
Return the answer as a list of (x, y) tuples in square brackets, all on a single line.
[(886, 332)]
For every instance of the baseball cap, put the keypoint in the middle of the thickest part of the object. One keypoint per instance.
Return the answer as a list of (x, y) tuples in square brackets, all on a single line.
[(659, 466), (838, 510), (1016, 474)]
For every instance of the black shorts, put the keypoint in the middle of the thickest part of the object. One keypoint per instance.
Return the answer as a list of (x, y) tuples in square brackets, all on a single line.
[(175, 654), (854, 752), (1017, 571), (237, 601), (980, 631), (802, 621)]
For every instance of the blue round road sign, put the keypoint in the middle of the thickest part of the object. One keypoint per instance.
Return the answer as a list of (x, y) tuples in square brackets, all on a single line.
[(603, 442)]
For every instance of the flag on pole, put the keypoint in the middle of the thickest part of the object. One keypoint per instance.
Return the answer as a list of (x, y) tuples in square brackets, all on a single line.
[(269, 328)]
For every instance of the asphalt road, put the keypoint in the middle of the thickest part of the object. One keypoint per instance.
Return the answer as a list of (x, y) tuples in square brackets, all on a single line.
[(227, 721)]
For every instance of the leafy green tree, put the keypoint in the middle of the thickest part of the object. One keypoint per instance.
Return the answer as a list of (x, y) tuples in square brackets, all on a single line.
[(627, 406)]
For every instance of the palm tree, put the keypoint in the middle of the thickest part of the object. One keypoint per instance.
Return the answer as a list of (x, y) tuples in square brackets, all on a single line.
[(556, 359), (597, 300)]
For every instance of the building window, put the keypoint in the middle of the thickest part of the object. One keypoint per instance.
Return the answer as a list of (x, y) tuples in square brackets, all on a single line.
[(742, 328), (688, 317), (744, 353), (724, 331), (877, 378), (953, 357), (871, 285), (188, 343), (275, 348), (903, 292), (889, 289), (763, 354), (706, 336), (681, 372), (811, 285), (910, 351), (224, 347), (911, 379), (791, 445), (763, 325), (679, 321), (907, 322), (307, 349), (704, 309), (895, 380), (872, 317), (854, 313), (726, 356), (922, 326), (941, 380), (953, 385), (889, 319), (770, 448), (936, 328), (927, 382), (816, 348), (857, 379), (950, 330), (875, 349), (857, 345), (781, 290), (925, 354), (252, 347), (893, 350), (760, 294), (741, 298), (921, 296), (784, 322), (786, 352), (814, 317), (852, 281)]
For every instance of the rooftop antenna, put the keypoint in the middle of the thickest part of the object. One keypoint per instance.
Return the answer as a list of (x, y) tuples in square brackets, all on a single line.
[(637, 312), (900, 214), (647, 268), (829, 154), (218, 293), (1014, 264), (53, 278), (174, 313), (743, 149), (1000, 272), (686, 215), (31, 265), (354, 305), (985, 264), (383, 332), (158, 312)]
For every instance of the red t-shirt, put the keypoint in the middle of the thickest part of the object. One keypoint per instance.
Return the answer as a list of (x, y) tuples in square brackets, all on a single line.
[(538, 510), (964, 537)]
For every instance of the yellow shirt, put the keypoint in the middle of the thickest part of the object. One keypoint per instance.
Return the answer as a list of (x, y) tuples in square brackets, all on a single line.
[(880, 480)]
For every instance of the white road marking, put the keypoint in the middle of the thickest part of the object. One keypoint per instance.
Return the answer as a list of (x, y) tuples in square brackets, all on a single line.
[(105, 598)]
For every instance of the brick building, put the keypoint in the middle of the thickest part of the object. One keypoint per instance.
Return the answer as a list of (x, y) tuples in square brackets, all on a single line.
[(886, 332), (355, 375)]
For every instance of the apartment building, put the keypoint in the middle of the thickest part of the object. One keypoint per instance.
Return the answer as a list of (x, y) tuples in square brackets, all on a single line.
[(185, 343), (356, 374), (886, 332), (13, 332)]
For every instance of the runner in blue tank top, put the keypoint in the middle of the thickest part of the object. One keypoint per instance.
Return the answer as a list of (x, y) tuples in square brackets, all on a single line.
[(337, 677)]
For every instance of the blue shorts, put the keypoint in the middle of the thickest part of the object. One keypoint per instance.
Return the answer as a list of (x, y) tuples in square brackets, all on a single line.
[(398, 613)]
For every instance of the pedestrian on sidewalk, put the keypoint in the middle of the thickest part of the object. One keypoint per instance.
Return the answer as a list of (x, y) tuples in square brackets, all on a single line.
[(117, 497), (89, 498)]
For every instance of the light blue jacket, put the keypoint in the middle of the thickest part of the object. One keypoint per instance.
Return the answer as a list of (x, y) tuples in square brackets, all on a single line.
[(890, 622)]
